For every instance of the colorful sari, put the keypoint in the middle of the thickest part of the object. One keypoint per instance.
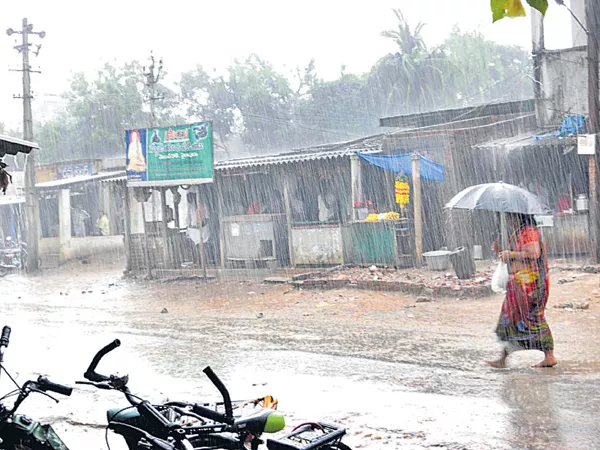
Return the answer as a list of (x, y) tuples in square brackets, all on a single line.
[(522, 322)]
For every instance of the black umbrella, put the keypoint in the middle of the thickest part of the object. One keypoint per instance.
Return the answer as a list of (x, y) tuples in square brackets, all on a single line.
[(498, 197)]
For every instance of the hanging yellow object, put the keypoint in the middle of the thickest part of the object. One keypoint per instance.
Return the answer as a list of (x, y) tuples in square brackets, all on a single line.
[(402, 191)]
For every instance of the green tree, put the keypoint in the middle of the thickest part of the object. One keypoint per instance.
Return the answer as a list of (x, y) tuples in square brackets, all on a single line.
[(484, 71), (411, 79), (99, 111), (253, 100), (263, 96), (210, 99), (336, 110)]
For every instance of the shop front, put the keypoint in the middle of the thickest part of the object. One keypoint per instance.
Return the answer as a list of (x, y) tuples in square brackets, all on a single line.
[(80, 217), (390, 208), (550, 167)]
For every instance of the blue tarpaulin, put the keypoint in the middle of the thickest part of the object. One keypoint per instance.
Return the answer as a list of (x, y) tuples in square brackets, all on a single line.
[(403, 163), (570, 125)]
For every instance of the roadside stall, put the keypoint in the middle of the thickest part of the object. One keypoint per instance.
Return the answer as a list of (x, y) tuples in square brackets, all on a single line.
[(320, 211), (252, 218), (291, 208), (386, 230), (71, 210), (162, 164)]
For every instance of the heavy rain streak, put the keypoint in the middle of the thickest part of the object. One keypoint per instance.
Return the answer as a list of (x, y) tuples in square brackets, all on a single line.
[(317, 225)]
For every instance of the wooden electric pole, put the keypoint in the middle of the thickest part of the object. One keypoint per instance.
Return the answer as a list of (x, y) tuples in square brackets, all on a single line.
[(592, 11), (152, 78), (418, 219), (31, 205)]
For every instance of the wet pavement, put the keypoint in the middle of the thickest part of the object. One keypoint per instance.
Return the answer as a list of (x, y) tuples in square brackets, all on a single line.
[(395, 375)]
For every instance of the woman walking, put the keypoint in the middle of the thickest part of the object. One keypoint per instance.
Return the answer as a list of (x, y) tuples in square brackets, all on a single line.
[(522, 324)]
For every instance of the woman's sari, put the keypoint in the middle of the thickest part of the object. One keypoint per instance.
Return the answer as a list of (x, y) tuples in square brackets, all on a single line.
[(522, 319)]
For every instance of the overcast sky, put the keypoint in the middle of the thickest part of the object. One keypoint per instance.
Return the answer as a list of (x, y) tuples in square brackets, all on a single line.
[(81, 36)]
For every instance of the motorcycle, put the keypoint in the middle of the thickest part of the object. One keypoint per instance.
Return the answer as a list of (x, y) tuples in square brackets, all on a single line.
[(225, 425), (19, 432), (12, 256)]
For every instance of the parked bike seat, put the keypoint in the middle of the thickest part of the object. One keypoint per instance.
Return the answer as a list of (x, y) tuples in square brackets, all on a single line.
[(263, 421)]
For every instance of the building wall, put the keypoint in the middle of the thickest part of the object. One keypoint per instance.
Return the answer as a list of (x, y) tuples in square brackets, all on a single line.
[(563, 88)]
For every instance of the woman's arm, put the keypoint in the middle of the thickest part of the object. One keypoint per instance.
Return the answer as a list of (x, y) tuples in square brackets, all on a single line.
[(530, 251)]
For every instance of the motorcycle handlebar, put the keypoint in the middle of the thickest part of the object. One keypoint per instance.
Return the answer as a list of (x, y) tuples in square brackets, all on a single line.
[(91, 373), (44, 384), (222, 389)]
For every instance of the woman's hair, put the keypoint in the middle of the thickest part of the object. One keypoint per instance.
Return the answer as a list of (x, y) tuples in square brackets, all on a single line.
[(525, 220)]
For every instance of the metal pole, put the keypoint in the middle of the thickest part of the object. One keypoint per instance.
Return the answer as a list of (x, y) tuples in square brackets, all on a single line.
[(355, 176), (416, 176), (592, 10), (288, 217), (145, 243), (222, 246), (201, 229), (127, 231), (164, 228)]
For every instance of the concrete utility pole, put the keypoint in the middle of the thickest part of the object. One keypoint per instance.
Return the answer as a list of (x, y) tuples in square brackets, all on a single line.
[(592, 11), (152, 78), (31, 205)]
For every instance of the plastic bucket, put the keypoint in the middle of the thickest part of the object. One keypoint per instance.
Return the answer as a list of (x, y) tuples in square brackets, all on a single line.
[(438, 260)]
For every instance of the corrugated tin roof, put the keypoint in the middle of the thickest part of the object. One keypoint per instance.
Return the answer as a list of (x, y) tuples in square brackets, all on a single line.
[(64, 183), (11, 146), (119, 179), (368, 145), (527, 140), (371, 144), (11, 200), (444, 116)]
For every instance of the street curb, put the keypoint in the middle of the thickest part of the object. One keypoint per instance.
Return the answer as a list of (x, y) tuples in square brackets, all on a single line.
[(406, 287)]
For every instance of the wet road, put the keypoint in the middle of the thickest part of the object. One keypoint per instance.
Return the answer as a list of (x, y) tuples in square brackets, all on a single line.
[(391, 386)]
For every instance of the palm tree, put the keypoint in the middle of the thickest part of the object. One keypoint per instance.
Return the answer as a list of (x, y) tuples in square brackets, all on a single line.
[(410, 42), (411, 78)]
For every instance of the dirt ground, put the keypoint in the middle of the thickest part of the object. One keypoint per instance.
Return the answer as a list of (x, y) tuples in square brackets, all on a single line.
[(576, 331)]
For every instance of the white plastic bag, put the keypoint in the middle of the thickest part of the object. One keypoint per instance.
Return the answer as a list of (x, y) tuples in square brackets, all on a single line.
[(500, 279)]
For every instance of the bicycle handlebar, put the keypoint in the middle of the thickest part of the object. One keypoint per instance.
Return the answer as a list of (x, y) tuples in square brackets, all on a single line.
[(91, 373)]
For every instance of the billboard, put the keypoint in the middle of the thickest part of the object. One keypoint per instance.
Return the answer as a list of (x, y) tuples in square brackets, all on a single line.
[(170, 156)]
